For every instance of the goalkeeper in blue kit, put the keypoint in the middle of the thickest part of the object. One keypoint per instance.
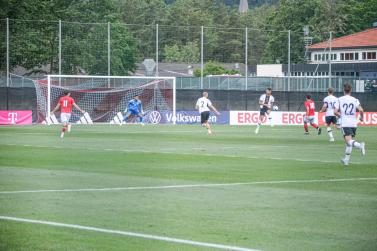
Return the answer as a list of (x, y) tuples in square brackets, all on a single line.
[(134, 110)]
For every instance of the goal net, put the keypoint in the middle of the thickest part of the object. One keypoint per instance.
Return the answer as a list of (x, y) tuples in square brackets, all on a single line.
[(103, 97)]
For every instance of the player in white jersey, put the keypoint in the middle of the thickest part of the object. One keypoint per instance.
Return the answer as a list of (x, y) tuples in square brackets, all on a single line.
[(266, 101), (203, 105), (329, 105), (346, 109)]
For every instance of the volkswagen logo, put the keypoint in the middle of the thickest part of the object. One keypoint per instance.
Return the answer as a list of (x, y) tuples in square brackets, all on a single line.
[(155, 117)]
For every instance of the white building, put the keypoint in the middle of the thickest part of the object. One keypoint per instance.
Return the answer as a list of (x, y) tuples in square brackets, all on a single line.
[(353, 56), (359, 47)]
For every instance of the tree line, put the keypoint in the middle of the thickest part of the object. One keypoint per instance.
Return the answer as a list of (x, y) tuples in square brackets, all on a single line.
[(34, 45)]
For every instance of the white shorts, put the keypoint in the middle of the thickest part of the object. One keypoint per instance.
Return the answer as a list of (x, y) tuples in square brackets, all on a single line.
[(65, 117), (309, 119)]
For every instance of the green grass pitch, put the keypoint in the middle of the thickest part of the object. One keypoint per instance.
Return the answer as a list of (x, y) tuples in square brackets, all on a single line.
[(298, 196)]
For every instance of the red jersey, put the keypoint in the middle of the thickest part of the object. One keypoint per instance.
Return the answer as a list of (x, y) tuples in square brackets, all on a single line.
[(310, 107), (66, 104)]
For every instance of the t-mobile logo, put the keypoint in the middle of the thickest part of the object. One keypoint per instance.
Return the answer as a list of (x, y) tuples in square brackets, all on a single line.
[(12, 117)]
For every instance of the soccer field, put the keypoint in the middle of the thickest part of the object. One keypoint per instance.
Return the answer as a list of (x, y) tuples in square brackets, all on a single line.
[(108, 187)]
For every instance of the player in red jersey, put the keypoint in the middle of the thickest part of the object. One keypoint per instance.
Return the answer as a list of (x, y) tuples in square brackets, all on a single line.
[(65, 104), (310, 115)]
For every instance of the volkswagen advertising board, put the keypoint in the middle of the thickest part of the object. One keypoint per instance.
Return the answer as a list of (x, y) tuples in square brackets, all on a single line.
[(184, 117)]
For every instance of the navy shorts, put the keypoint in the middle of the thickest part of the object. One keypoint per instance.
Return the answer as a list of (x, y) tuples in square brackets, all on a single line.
[(204, 116), (330, 120), (263, 110), (349, 131)]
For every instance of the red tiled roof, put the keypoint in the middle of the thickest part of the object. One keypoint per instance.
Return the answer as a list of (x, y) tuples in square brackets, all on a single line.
[(367, 38)]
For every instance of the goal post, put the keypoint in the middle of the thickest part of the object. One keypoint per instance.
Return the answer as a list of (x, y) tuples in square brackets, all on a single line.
[(103, 97)]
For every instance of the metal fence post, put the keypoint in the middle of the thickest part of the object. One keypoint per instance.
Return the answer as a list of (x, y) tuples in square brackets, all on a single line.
[(60, 47), (246, 58), (60, 51), (156, 50), (108, 49), (330, 52), (7, 52), (289, 60), (201, 56), (108, 53)]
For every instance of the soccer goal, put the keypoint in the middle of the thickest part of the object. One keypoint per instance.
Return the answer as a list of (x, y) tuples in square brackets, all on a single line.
[(103, 97)]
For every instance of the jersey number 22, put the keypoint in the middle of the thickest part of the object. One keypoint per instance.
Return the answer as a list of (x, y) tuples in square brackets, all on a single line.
[(349, 109)]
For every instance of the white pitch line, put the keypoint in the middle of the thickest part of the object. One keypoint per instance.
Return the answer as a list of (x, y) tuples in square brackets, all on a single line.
[(187, 186), (182, 153), (127, 233)]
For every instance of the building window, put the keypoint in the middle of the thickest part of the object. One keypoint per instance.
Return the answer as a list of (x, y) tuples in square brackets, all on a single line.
[(349, 56), (371, 55), (356, 56), (333, 57), (342, 56), (315, 57)]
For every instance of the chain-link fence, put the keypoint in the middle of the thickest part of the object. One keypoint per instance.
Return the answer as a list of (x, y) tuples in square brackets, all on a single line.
[(302, 84), (34, 48)]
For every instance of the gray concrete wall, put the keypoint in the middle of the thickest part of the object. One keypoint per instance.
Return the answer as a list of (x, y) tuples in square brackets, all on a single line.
[(19, 99)]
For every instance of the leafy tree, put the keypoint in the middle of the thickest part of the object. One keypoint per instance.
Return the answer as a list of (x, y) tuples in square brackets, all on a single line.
[(143, 15), (359, 15), (258, 31), (230, 43), (172, 53), (188, 53), (34, 44), (290, 15), (184, 20), (212, 68), (123, 50)]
